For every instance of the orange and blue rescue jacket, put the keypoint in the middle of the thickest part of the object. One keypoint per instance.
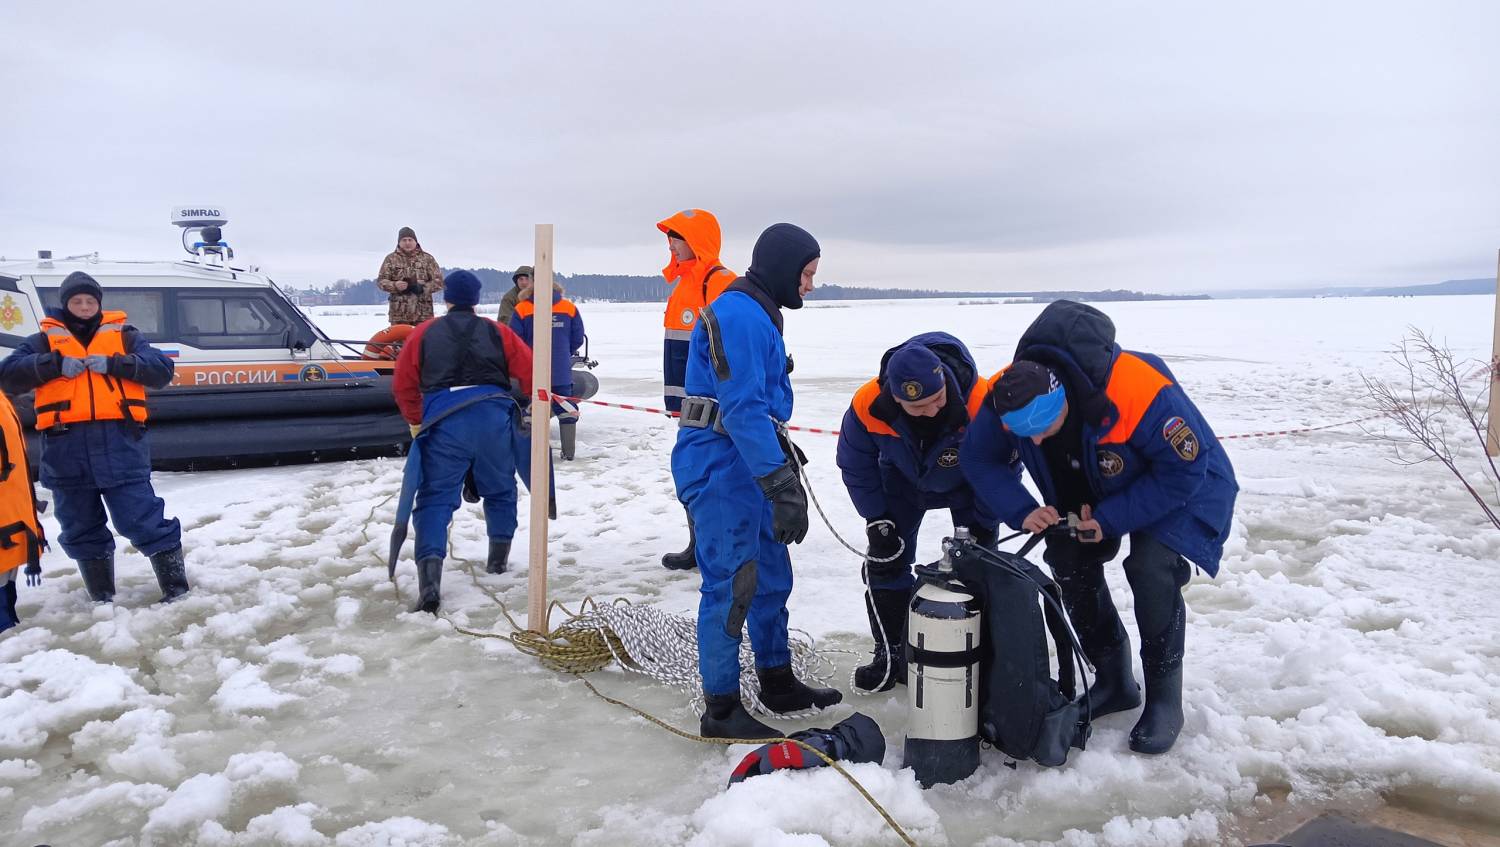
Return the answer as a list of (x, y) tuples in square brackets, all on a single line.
[(1158, 466), (567, 334), (880, 454)]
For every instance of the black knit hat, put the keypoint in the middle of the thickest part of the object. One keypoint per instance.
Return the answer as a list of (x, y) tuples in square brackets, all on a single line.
[(79, 282), (1021, 383), (406, 232)]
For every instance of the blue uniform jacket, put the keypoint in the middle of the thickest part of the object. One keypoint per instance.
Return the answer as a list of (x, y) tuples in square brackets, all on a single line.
[(750, 382), (567, 333), (1159, 467), (878, 453)]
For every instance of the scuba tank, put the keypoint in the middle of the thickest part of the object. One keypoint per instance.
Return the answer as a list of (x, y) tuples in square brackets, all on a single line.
[(942, 673)]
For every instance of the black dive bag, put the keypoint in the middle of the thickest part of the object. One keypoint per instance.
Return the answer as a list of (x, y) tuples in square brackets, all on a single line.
[(1024, 710)]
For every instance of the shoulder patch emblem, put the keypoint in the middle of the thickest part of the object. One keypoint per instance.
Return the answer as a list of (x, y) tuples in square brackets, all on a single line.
[(1110, 463), (948, 458), (687, 317), (1184, 442)]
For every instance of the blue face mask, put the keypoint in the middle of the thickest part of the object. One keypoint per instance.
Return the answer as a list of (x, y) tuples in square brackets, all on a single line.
[(1036, 417)]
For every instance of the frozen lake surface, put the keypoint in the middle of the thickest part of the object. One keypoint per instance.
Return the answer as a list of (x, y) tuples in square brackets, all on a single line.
[(1347, 656)]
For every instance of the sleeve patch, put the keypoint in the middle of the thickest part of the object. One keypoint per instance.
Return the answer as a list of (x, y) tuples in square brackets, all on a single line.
[(1181, 438)]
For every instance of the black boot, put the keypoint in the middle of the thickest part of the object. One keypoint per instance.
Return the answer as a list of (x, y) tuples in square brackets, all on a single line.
[(783, 693), (569, 435), (429, 578), (688, 558), (171, 574), (98, 578), (1114, 688), (887, 611), (1157, 575), (725, 717), (1161, 720), (499, 556)]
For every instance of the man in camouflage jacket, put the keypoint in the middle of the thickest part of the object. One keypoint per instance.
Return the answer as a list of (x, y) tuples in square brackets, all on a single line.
[(411, 276)]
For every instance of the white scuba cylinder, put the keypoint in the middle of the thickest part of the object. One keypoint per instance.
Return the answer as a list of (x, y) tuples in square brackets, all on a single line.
[(942, 678)]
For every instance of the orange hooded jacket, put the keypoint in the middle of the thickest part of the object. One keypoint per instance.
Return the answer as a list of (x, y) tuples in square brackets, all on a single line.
[(696, 282)]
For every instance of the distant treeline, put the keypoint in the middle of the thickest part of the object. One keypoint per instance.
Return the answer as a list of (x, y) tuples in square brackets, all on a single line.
[(654, 289)]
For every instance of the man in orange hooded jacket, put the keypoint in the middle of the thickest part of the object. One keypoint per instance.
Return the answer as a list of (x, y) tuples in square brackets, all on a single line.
[(696, 278)]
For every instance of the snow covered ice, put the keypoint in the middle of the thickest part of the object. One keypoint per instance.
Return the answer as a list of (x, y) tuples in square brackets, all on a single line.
[(1347, 656)]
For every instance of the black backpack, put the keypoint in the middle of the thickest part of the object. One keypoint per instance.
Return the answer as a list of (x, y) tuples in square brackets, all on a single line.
[(1024, 711)]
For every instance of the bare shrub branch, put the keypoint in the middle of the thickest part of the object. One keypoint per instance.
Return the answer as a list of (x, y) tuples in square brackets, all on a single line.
[(1430, 394)]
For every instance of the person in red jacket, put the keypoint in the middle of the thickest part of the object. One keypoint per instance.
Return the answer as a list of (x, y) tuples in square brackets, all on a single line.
[(456, 381)]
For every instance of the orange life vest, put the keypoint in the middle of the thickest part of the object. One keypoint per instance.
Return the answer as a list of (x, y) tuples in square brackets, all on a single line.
[(89, 396), (21, 539), (865, 398)]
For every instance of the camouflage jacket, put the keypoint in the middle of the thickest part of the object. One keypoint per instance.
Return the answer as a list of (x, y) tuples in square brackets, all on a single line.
[(407, 308), (508, 303)]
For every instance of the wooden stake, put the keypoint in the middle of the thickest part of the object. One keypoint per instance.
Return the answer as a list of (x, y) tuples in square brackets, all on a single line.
[(1493, 445), (541, 425)]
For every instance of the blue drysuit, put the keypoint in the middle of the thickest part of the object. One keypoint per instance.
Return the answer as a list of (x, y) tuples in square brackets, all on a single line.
[(747, 574)]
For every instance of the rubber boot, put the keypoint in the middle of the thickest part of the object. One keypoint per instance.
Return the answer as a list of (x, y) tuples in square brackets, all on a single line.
[(429, 578), (783, 693), (499, 556), (569, 434), (688, 558), (98, 578), (1156, 575), (1161, 720), (171, 574), (1114, 688), (471, 488), (726, 717), (887, 611)]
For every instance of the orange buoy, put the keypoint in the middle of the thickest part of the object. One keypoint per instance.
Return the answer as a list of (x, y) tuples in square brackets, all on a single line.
[(386, 344)]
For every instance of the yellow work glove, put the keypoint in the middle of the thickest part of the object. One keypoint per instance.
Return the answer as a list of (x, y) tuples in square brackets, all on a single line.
[(415, 428)]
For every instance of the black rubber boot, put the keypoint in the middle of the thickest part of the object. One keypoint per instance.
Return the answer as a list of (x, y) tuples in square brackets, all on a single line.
[(688, 558), (569, 435), (1114, 688), (887, 611), (1161, 720), (171, 574), (1156, 575), (98, 578), (429, 579), (470, 488), (726, 717), (499, 556), (783, 693)]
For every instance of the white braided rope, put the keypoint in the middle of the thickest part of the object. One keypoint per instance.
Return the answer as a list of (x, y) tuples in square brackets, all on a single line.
[(664, 647)]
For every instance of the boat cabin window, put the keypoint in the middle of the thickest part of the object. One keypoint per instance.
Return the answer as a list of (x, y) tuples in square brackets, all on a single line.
[(144, 309), (218, 321)]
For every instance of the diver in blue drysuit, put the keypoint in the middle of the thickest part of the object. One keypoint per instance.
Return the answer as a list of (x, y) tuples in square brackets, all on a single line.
[(736, 472)]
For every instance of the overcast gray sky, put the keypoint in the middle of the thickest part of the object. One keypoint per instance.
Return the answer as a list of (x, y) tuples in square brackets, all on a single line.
[(1164, 146)]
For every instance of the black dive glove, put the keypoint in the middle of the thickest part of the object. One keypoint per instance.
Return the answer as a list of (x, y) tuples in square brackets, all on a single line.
[(416, 288), (788, 504)]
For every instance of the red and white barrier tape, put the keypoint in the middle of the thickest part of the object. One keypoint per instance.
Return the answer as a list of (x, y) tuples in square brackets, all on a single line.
[(544, 396)]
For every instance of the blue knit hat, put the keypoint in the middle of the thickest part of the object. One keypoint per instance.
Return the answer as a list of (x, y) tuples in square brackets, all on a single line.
[(461, 288), (913, 373)]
